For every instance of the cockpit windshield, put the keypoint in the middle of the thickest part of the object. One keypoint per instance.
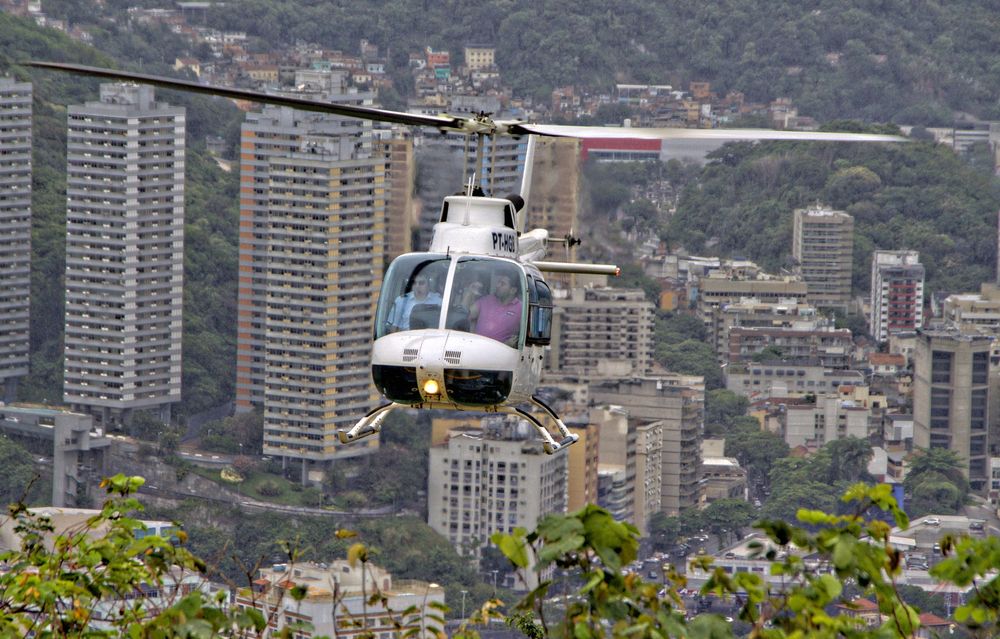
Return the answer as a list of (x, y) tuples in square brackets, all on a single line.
[(411, 293), (485, 296)]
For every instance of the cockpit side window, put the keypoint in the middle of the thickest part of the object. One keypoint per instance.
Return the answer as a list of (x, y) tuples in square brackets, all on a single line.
[(411, 294), (487, 298), (539, 313)]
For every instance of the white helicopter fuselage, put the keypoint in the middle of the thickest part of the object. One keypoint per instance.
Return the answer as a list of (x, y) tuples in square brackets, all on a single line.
[(446, 358)]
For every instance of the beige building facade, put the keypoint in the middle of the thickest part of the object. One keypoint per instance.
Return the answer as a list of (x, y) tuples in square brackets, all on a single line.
[(601, 333), (677, 402), (951, 397), (823, 249)]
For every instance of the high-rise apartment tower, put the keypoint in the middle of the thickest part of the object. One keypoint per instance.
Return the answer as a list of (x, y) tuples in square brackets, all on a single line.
[(124, 254), (897, 297), (312, 237), (15, 230), (823, 248)]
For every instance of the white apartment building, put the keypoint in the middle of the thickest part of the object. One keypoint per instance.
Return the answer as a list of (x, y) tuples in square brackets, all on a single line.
[(677, 403), (492, 479), (633, 447), (600, 333), (762, 380), (830, 418), (897, 293), (124, 255), (15, 230), (338, 603)]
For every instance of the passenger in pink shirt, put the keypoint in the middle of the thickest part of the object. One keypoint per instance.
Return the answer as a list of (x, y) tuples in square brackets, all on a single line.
[(498, 316)]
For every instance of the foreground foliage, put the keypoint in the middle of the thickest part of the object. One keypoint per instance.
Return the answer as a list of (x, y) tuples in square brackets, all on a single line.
[(95, 580)]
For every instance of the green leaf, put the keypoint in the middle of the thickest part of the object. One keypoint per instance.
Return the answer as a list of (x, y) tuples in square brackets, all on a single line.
[(830, 586), (843, 557), (560, 546), (979, 615), (592, 583), (513, 549), (559, 526)]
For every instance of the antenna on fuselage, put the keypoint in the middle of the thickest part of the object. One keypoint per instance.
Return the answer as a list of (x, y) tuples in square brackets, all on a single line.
[(470, 190)]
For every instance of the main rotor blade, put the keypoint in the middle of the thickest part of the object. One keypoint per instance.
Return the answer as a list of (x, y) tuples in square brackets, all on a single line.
[(366, 113), (667, 133), (467, 125)]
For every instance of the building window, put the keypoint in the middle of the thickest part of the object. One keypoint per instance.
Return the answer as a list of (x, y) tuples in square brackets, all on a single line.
[(980, 367), (941, 367)]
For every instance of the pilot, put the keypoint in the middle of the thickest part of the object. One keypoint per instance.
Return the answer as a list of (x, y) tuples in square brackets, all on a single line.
[(420, 293), (498, 316)]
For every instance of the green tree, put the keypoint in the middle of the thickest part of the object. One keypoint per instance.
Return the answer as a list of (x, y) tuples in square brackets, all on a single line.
[(55, 588), (855, 551), (664, 531), (691, 358), (757, 451), (813, 494), (942, 461), (935, 482), (17, 473), (144, 425), (672, 328), (850, 185), (721, 408), (727, 517), (59, 588), (849, 458), (933, 493)]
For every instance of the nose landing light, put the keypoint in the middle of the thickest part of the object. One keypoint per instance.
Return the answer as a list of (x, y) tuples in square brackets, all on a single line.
[(431, 387)]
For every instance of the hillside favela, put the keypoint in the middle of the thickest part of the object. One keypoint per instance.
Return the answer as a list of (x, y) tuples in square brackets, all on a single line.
[(499, 320)]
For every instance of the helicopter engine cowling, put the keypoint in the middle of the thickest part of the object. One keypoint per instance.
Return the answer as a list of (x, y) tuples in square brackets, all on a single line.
[(435, 366)]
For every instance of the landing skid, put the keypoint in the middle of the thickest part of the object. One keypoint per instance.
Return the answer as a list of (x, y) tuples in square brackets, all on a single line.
[(371, 423), (367, 425), (549, 444)]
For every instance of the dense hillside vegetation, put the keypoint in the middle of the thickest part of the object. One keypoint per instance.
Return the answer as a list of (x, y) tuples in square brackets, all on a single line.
[(883, 60), (914, 196)]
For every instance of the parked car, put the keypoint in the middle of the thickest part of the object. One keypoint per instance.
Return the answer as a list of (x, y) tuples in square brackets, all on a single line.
[(932, 521)]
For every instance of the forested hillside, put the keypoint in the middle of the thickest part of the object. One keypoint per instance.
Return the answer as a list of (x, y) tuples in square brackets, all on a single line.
[(888, 60), (210, 255), (915, 196)]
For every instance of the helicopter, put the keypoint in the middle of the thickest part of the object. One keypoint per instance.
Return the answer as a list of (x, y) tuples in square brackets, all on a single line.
[(463, 326)]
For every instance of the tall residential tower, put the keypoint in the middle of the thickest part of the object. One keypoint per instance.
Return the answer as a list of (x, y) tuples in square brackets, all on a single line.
[(15, 230), (823, 248), (897, 297), (312, 237), (951, 387), (124, 255)]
